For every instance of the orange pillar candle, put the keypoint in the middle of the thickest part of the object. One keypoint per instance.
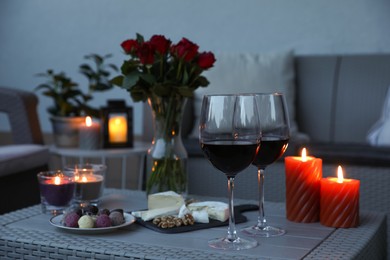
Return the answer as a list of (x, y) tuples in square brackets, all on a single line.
[(339, 201), (117, 129), (303, 179)]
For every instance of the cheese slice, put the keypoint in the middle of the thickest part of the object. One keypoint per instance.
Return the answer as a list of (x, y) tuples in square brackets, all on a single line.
[(216, 209), (183, 211), (150, 214), (164, 200), (200, 216)]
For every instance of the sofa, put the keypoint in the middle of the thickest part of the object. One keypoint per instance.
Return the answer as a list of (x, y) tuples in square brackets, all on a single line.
[(25, 155), (336, 102)]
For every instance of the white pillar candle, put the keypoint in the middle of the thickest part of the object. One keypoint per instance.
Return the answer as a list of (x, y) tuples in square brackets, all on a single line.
[(89, 135)]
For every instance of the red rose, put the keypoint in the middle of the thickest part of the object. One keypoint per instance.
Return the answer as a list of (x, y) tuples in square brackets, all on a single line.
[(185, 49), (146, 53), (129, 46), (206, 60), (160, 43)]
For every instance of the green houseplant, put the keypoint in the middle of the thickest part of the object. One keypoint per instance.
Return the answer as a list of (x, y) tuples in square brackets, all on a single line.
[(165, 75), (98, 77), (70, 102)]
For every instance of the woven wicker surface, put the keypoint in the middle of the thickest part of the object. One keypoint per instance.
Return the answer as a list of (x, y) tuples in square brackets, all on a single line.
[(26, 243)]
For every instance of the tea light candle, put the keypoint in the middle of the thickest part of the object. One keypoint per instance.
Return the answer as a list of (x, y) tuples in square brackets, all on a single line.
[(339, 201), (57, 190), (303, 179), (89, 135), (117, 129), (88, 186)]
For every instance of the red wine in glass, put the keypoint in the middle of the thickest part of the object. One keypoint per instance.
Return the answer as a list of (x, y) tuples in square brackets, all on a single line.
[(271, 149), (275, 136), (229, 135), (230, 157)]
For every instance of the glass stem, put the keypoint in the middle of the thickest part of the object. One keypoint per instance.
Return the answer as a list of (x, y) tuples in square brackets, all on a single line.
[(261, 221), (232, 233)]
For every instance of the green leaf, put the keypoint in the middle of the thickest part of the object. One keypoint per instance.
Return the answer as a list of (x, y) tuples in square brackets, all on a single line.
[(186, 91), (161, 90), (201, 81), (140, 38), (117, 81), (131, 80), (138, 95), (150, 79)]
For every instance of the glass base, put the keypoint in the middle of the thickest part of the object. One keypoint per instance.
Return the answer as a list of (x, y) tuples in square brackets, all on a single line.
[(84, 203), (237, 244), (267, 231), (53, 210)]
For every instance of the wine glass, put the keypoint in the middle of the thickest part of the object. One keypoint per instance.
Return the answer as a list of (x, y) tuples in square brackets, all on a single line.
[(274, 141), (229, 134)]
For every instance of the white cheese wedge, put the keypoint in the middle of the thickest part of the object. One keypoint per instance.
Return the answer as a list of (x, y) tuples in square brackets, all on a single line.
[(165, 199), (216, 209), (150, 214), (200, 216), (183, 211)]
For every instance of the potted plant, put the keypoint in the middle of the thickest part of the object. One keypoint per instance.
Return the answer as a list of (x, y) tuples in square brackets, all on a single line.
[(98, 78), (70, 103), (66, 112)]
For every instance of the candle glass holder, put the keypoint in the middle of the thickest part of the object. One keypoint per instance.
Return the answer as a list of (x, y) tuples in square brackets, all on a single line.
[(89, 183), (56, 191)]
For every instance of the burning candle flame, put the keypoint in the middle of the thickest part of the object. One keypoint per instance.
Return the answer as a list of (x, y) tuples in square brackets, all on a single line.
[(304, 158), (340, 177), (84, 179), (88, 121), (57, 180)]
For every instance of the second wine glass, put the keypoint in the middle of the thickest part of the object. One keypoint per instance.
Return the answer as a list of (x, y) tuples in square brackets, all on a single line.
[(274, 141), (229, 134)]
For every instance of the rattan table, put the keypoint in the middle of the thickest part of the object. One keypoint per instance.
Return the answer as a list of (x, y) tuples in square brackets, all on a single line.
[(27, 234)]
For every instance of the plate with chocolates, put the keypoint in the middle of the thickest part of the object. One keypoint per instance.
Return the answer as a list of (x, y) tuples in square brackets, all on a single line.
[(92, 220)]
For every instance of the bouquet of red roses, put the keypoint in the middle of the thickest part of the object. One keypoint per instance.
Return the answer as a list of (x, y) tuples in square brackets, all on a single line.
[(161, 68), (165, 74)]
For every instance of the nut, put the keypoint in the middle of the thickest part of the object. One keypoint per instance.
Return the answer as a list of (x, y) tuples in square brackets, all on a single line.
[(172, 221)]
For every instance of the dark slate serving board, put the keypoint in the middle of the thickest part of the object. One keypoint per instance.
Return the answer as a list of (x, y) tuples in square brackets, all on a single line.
[(238, 210)]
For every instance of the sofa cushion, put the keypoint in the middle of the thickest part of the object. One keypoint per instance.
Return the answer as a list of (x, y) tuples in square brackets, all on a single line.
[(22, 157), (379, 134), (250, 73)]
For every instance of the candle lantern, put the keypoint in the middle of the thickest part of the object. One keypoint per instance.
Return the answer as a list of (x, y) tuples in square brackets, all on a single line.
[(117, 125)]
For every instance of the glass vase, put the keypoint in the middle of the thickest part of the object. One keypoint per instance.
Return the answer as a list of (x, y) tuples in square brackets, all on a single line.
[(167, 157)]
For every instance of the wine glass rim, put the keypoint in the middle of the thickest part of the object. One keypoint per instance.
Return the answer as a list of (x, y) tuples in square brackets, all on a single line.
[(247, 94), (269, 93), (230, 95)]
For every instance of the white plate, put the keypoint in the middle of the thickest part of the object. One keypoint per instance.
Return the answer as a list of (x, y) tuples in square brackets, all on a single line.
[(57, 222)]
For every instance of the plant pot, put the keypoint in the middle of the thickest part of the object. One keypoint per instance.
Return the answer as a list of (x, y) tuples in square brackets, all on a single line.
[(66, 130)]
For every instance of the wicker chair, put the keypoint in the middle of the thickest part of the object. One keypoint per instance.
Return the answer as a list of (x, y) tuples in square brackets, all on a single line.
[(26, 156)]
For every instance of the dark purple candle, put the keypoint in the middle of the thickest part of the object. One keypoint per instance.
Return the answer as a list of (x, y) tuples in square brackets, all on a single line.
[(57, 194)]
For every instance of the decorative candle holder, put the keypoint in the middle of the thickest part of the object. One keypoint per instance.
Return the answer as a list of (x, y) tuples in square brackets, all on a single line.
[(303, 180), (56, 190), (89, 183)]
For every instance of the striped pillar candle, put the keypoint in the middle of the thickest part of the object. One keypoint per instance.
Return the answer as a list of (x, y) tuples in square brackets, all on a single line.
[(303, 180), (339, 201)]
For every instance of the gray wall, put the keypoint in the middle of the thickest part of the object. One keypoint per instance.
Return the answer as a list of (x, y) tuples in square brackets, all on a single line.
[(40, 34)]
